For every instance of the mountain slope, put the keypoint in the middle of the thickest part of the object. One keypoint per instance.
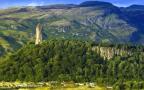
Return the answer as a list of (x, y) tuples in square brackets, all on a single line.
[(135, 15), (92, 20)]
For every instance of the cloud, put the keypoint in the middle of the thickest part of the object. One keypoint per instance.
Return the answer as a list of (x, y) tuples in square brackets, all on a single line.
[(36, 4)]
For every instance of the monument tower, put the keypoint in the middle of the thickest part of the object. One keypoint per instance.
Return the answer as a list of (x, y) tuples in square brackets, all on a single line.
[(38, 34)]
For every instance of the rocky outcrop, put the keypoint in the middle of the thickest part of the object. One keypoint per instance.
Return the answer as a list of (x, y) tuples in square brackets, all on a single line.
[(38, 34), (110, 52)]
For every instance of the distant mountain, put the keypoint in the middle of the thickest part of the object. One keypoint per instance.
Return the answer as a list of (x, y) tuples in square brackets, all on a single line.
[(135, 15), (58, 6), (136, 7), (95, 3), (92, 20)]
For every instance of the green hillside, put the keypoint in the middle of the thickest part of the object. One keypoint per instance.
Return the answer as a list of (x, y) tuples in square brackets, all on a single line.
[(73, 60), (93, 21)]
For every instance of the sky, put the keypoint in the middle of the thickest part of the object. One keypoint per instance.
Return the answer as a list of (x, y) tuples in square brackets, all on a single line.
[(15, 3)]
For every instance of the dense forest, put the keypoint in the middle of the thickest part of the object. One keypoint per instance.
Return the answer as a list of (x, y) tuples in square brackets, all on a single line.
[(73, 60)]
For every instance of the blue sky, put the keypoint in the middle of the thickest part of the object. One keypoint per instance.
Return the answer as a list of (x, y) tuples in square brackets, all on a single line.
[(12, 3)]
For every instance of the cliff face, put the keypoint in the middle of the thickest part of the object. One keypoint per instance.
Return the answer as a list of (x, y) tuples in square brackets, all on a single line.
[(38, 34), (110, 52)]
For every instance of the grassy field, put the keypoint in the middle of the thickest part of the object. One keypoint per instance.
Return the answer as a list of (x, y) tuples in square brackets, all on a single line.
[(49, 86), (76, 88)]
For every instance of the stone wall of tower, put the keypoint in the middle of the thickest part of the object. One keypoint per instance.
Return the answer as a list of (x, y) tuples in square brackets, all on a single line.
[(38, 34)]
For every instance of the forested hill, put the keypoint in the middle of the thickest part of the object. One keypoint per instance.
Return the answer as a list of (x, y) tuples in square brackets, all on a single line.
[(73, 60), (92, 20)]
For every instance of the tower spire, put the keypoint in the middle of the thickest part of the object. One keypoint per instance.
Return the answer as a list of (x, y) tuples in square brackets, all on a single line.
[(38, 34)]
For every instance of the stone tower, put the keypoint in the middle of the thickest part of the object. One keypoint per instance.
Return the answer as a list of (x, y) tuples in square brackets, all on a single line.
[(38, 34)]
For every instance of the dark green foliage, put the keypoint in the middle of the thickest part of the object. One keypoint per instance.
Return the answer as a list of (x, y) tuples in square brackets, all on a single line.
[(2, 51), (71, 60), (129, 85), (53, 60)]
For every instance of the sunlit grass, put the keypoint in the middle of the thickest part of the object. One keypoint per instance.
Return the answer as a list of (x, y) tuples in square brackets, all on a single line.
[(74, 88)]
